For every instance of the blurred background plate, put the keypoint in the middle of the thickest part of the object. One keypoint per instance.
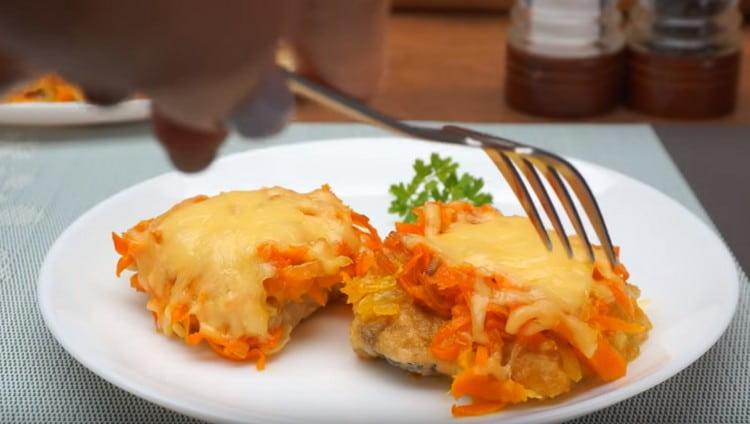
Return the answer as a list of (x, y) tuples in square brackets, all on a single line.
[(72, 113)]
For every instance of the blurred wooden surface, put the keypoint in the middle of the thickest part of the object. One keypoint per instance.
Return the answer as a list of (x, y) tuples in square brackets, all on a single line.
[(450, 67), (488, 5)]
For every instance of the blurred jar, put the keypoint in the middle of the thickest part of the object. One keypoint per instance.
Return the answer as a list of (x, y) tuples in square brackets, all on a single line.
[(684, 57), (564, 57)]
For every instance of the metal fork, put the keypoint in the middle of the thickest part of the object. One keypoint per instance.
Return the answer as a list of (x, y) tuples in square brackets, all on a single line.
[(509, 157)]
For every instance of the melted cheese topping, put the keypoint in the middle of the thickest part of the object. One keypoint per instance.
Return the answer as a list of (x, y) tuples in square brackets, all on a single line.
[(204, 254), (509, 246)]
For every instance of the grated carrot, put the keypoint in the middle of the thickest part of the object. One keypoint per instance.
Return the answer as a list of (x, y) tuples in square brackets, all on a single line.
[(407, 228), (365, 261), (121, 245), (452, 337), (123, 263), (371, 237), (135, 283), (616, 324), (607, 362)]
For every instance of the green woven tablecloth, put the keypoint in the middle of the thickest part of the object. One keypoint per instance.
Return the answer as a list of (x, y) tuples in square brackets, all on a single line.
[(50, 177)]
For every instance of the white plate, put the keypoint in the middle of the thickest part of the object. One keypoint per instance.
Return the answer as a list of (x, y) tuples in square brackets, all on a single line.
[(686, 274), (72, 113)]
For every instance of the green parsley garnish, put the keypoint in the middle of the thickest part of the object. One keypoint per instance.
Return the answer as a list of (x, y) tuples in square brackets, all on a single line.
[(437, 180)]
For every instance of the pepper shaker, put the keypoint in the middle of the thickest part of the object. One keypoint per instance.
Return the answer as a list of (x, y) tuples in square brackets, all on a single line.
[(565, 57), (684, 57)]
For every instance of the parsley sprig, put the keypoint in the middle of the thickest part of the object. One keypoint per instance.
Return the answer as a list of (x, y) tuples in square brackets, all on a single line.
[(437, 180)]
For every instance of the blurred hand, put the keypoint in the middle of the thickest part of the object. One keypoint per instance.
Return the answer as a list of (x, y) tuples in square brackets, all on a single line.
[(206, 65)]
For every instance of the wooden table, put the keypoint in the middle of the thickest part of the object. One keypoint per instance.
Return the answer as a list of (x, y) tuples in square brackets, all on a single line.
[(450, 67)]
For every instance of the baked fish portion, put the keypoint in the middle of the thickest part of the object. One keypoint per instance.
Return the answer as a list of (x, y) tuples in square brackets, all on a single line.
[(470, 293), (241, 269)]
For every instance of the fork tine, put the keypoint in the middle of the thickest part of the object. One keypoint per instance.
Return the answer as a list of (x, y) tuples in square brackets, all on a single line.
[(552, 164), (532, 176), (562, 193), (505, 165), (589, 204)]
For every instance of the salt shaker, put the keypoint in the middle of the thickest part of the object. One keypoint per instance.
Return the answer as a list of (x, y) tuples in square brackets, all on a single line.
[(565, 57), (684, 57)]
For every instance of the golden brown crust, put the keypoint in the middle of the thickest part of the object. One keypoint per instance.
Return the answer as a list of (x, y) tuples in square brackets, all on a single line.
[(541, 372), (403, 340)]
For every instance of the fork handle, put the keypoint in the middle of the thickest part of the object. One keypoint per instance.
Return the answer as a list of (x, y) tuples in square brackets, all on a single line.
[(356, 110)]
